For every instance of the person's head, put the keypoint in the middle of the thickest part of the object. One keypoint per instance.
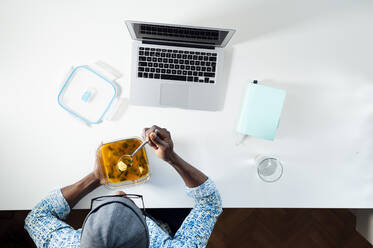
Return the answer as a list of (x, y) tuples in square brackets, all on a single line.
[(114, 221)]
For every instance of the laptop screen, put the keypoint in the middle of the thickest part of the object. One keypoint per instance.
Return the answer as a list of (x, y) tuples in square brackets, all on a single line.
[(180, 34)]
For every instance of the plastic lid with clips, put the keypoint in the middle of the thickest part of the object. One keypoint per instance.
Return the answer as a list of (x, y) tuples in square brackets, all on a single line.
[(87, 94)]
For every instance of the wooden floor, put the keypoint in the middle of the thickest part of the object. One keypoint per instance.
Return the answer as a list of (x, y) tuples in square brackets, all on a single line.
[(254, 228)]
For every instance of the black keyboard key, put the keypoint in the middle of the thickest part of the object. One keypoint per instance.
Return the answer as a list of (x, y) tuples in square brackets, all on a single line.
[(195, 57), (181, 62), (197, 63), (157, 76), (190, 56), (180, 51), (190, 72), (168, 71), (190, 79), (163, 55), (200, 57), (152, 49), (141, 48), (151, 75), (160, 65), (142, 64), (212, 81), (198, 68), (147, 48), (212, 58), (151, 54), (173, 55), (209, 74), (165, 60), (203, 68), (187, 67), (205, 58), (208, 69), (173, 71), (185, 72), (158, 49), (198, 53), (141, 69), (152, 70), (186, 62), (203, 63), (165, 66), (141, 53), (148, 59), (208, 64), (206, 79), (163, 71), (139, 74), (147, 69), (214, 54), (191, 62), (155, 65), (172, 66), (150, 64), (202, 53), (178, 72), (171, 61), (184, 56), (145, 75), (177, 66), (213, 69), (159, 60), (176, 61), (157, 54), (195, 73), (200, 74), (173, 77), (182, 67), (141, 58), (195, 79), (158, 70), (193, 68), (178, 56), (201, 81)]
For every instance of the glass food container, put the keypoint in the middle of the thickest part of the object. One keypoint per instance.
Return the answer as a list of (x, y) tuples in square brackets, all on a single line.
[(116, 165)]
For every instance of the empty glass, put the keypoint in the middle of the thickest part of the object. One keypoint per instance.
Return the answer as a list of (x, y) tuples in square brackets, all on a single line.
[(269, 168)]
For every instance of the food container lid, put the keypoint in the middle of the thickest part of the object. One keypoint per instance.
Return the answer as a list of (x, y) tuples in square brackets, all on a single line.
[(87, 94)]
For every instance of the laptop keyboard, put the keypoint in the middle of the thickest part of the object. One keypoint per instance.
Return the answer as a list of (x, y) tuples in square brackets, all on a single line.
[(178, 65)]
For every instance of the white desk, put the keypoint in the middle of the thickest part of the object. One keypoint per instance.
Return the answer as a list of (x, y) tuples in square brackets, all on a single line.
[(319, 51)]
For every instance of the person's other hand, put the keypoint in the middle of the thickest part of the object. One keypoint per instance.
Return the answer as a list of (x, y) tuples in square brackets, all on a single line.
[(97, 172), (160, 140)]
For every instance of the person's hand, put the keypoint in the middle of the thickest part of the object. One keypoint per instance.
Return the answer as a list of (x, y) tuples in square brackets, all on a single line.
[(97, 172), (160, 140)]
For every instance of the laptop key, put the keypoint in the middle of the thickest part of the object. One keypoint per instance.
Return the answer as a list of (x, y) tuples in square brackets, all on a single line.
[(173, 77), (150, 75), (145, 75), (190, 79), (139, 74), (141, 69), (185, 72), (142, 63), (209, 74), (163, 71), (173, 71), (206, 79), (157, 76), (178, 72), (212, 81), (142, 58), (212, 58)]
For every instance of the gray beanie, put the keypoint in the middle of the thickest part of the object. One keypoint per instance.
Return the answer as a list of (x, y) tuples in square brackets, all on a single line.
[(114, 222)]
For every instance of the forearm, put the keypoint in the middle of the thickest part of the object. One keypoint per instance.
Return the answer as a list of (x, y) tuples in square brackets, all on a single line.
[(73, 193), (192, 177)]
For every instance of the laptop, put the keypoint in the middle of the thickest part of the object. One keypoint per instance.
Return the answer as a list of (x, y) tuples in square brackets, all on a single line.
[(176, 65)]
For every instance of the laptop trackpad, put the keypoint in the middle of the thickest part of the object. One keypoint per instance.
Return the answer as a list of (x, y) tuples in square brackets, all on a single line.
[(174, 95)]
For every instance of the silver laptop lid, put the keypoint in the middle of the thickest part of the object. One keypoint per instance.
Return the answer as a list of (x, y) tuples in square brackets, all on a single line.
[(179, 34)]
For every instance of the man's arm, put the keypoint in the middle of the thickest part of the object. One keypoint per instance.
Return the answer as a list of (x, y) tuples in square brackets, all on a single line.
[(44, 223), (198, 225)]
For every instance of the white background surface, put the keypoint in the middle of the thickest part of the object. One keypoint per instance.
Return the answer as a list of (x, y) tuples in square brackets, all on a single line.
[(319, 51)]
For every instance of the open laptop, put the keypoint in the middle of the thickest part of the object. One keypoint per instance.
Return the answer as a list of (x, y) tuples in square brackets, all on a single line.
[(176, 66)]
